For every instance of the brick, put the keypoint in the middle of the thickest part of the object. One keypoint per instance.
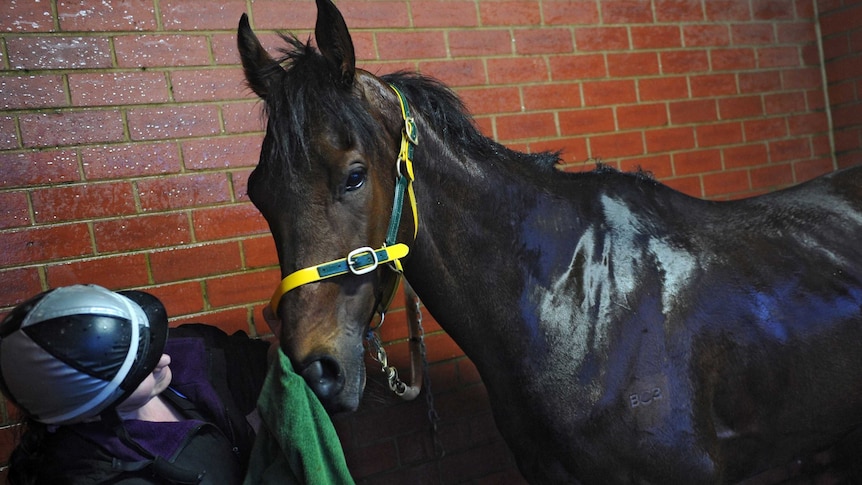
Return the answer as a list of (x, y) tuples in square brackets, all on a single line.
[(719, 10), (745, 156), (41, 244), (752, 34), (656, 37), (181, 298), (98, 16), (243, 117), (733, 59), (82, 202), (207, 85), (719, 134), (846, 116), (516, 70), (772, 177), (200, 14), (119, 271), (659, 166), (626, 12), (423, 44), (795, 32), (769, 57), (616, 145), (459, 72), (675, 11), (227, 152), (71, 128), (173, 122), (26, 92), (808, 169), (807, 123), (36, 168), (487, 100), (525, 125), (230, 320), (240, 288), (14, 210), (601, 39), (667, 87), (669, 139), (641, 116), (633, 64), (705, 35), (161, 50), (692, 186), (26, 16), (374, 458), (543, 41), (18, 285), (759, 81), (510, 13), (144, 232), (601, 93), (571, 149), (740, 107), (587, 121), (259, 252), (183, 263), (374, 15), (782, 103), (773, 9), (551, 96), (725, 183), (58, 52), (224, 49), (463, 43), (710, 85), (694, 162), (805, 78), (8, 133), (449, 14), (684, 61), (101, 89), (578, 67), (570, 13), (278, 14), (183, 191), (130, 160), (228, 221), (785, 150), (764, 129)]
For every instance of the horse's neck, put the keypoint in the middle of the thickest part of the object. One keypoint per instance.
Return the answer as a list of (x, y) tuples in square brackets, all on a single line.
[(484, 234)]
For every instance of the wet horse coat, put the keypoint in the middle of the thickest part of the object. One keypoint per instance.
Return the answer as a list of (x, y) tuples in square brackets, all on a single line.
[(626, 333)]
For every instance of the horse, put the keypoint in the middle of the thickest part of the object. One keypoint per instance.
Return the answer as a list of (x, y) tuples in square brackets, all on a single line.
[(625, 332)]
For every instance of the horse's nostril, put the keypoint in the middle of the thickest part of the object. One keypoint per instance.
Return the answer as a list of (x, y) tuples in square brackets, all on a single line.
[(324, 376)]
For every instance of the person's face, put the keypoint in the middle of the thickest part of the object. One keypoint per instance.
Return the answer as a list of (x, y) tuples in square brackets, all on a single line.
[(152, 386)]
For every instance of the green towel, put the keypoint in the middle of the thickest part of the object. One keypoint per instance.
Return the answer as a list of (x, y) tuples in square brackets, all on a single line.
[(296, 442)]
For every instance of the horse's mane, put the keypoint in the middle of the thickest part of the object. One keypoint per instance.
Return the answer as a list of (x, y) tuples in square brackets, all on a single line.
[(448, 116), (306, 89)]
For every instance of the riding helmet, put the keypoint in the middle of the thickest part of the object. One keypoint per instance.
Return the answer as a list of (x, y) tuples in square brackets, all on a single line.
[(72, 353)]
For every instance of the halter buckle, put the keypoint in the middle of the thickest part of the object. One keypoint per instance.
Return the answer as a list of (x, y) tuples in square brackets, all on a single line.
[(358, 260), (410, 130)]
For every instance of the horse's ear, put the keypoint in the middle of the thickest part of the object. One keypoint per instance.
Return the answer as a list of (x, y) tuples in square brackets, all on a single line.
[(258, 65), (334, 41)]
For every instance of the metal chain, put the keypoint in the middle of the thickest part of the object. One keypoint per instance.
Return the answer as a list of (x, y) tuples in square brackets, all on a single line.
[(378, 353), (433, 417)]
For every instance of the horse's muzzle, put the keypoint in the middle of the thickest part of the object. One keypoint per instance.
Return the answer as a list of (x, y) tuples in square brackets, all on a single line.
[(325, 377)]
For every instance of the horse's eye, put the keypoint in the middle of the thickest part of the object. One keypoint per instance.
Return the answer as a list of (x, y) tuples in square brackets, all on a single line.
[(355, 179)]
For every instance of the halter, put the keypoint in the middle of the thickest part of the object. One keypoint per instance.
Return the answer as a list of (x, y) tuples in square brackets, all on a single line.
[(365, 259)]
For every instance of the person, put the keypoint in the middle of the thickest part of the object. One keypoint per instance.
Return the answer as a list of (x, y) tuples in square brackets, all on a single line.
[(109, 398)]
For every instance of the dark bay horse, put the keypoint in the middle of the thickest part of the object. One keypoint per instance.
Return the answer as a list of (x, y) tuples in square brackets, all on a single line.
[(626, 333)]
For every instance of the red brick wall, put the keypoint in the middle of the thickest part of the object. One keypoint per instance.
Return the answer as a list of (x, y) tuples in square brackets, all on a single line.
[(126, 139)]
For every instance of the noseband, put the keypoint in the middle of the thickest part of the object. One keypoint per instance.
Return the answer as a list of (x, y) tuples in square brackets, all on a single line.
[(365, 259)]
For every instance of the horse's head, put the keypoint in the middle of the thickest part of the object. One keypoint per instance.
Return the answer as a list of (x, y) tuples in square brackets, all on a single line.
[(325, 184)]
